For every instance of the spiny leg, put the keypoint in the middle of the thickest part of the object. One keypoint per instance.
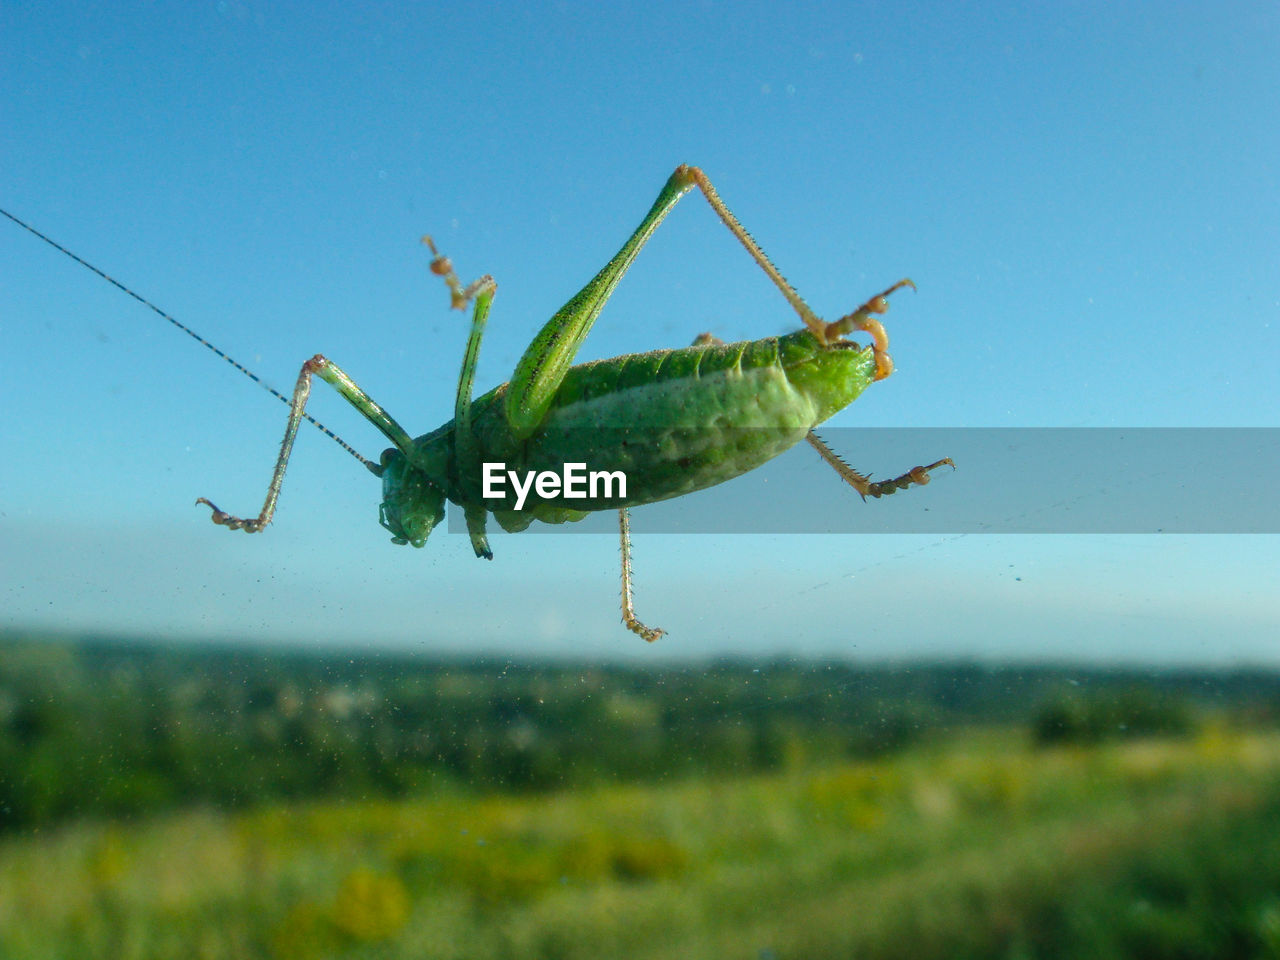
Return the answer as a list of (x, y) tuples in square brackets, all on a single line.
[(331, 374), (628, 608), (860, 319), (482, 291), (465, 462), (864, 485), (811, 320), (826, 333)]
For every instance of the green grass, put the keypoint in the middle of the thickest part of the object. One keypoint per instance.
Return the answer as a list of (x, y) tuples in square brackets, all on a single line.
[(979, 847)]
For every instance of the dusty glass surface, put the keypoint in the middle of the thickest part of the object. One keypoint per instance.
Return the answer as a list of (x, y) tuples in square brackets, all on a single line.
[(312, 742)]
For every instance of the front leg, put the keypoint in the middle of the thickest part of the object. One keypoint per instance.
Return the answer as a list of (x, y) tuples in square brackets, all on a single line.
[(331, 374), (465, 460)]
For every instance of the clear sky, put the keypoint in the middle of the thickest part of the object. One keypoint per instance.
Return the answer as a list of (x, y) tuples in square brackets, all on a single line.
[(1086, 195)]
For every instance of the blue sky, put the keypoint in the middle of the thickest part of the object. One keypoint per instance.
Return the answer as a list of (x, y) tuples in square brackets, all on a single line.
[(1085, 194)]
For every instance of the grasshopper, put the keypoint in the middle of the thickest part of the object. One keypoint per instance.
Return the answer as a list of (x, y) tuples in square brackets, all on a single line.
[(669, 421)]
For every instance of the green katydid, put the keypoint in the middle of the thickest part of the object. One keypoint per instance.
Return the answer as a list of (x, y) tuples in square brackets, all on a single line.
[(670, 421)]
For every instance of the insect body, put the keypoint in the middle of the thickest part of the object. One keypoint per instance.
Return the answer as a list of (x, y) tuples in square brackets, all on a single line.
[(669, 421)]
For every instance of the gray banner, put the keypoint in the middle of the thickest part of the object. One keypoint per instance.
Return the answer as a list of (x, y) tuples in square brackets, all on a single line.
[(1007, 480)]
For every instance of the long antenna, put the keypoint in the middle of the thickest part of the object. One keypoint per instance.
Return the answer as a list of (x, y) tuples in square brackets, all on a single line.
[(191, 333)]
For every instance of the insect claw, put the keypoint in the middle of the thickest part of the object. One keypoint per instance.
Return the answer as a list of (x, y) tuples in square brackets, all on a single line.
[(648, 634), (224, 519), (218, 515), (916, 475), (861, 320), (442, 266)]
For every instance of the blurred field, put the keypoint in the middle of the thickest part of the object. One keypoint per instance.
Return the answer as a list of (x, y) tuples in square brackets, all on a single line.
[(976, 845)]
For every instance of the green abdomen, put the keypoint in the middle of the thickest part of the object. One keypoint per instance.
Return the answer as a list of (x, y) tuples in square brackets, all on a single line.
[(676, 421)]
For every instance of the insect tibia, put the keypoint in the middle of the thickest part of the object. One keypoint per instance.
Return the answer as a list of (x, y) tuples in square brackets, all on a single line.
[(629, 618), (688, 176)]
